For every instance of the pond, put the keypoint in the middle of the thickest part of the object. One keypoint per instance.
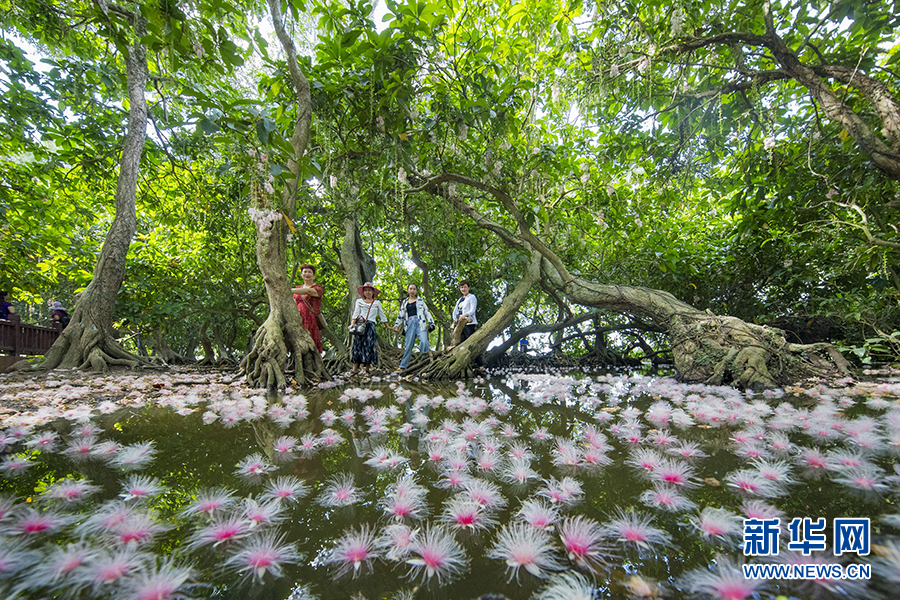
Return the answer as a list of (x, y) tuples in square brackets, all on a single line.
[(551, 485)]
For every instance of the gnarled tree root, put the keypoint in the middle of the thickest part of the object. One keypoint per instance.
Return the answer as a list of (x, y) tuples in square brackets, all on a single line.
[(726, 350), (82, 345), (264, 366), (450, 364)]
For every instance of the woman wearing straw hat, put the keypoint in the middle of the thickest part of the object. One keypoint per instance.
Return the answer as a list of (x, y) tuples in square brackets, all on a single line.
[(362, 327), (59, 314)]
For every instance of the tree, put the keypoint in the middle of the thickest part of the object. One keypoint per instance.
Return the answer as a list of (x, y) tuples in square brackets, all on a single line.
[(487, 109), (89, 339), (283, 329), (131, 28)]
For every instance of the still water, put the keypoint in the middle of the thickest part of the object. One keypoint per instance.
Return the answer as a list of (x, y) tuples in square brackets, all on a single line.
[(634, 486)]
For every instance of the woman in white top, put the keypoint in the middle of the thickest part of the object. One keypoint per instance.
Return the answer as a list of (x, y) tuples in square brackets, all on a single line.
[(366, 310), (417, 320)]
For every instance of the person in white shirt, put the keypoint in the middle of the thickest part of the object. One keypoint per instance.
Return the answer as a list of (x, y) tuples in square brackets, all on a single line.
[(417, 321), (465, 308), (366, 310)]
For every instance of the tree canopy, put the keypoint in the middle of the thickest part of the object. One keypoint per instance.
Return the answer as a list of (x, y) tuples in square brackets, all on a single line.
[(742, 157)]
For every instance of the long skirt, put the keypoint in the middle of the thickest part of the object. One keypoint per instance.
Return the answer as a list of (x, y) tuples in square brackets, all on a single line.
[(365, 346)]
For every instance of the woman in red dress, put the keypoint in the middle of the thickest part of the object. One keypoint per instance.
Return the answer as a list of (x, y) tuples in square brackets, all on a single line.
[(309, 302)]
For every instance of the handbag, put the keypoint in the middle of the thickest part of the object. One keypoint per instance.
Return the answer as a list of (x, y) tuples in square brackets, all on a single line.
[(359, 327), (320, 320)]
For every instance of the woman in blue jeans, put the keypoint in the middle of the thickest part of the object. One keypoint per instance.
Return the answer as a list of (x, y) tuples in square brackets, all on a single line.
[(418, 322)]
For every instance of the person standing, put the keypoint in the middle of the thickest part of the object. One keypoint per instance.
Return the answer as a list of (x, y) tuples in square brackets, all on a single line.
[(59, 314), (6, 307), (366, 310), (416, 320), (309, 302)]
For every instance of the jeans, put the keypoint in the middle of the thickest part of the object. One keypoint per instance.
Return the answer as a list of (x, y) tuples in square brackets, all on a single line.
[(414, 329)]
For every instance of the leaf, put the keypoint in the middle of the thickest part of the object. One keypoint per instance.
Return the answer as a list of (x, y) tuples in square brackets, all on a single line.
[(262, 133), (351, 36), (516, 13), (209, 127)]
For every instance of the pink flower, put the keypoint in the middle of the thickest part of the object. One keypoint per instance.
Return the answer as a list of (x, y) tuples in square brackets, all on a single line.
[(461, 513), (634, 529), (524, 547), (435, 554), (718, 523), (70, 491), (339, 491), (210, 501), (666, 498), (253, 468), (538, 514), (285, 489), (33, 522), (221, 532), (353, 550), (262, 555), (141, 488), (166, 581), (725, 581), (582, 539)]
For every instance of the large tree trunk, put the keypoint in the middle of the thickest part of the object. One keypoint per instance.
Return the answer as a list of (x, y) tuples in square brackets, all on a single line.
[(209, 353), (706, 347), (89, 340), (282, 333), (456, 361), (164, 352), (709, 348), (359, 266)]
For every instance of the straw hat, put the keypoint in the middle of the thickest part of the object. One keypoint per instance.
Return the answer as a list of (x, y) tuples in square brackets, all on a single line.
[(367, 284)]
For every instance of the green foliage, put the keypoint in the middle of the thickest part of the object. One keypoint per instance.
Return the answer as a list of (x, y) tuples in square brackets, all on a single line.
[(637, 161)]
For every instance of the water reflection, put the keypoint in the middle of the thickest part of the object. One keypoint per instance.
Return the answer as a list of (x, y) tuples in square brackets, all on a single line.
[(626, 486)]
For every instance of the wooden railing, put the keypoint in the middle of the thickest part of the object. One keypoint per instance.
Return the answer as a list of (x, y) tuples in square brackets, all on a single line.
[(23, 339)]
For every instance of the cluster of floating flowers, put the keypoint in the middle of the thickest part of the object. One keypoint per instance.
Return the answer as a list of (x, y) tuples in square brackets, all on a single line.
[(463, 478), (59, 541)]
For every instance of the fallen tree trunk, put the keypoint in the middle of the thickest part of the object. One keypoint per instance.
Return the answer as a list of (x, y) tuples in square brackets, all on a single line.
[(706, 347), (710, 348)]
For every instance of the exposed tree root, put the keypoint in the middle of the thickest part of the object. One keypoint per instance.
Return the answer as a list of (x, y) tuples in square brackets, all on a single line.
[(264, 366), (420, 362), (455, 363), (84, 345), (165, 353), (717, 350)]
